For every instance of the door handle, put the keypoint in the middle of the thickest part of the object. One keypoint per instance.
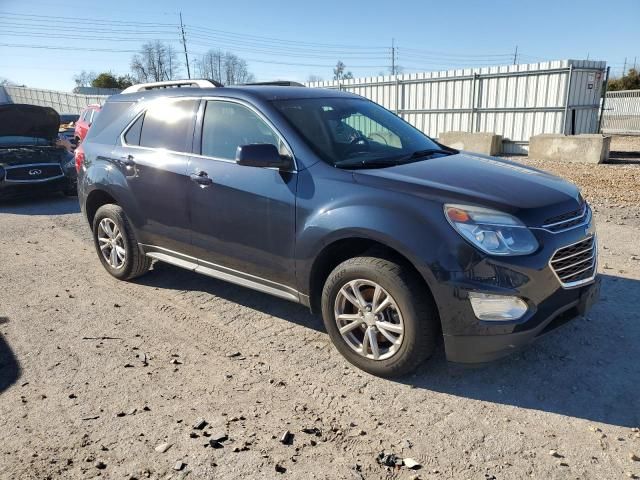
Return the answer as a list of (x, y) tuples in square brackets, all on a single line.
[(201, 178)]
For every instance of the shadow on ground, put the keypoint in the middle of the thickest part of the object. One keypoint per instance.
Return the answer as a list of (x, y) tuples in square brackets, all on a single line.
[(175, 278), (620, 157), (9, 366), (51, 204), (587, 369)]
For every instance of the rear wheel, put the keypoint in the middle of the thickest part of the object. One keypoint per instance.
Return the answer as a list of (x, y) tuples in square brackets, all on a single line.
[(116, 244), (379, 316)]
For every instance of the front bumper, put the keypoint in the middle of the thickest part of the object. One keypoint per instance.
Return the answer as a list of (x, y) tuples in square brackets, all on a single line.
[(24, 189), (555, 312), (532, 278)]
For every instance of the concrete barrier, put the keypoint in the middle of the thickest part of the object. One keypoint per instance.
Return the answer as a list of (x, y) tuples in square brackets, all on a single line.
[(486, 143), (570, 148)]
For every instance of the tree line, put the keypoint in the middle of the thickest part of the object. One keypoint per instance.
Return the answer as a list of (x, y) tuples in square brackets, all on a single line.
[(158, 61)]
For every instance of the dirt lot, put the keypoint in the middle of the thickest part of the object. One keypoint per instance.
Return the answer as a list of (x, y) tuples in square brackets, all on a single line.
[(95, 373)]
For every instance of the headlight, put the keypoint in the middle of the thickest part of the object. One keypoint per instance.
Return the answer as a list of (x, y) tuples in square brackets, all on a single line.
[(493, 232)]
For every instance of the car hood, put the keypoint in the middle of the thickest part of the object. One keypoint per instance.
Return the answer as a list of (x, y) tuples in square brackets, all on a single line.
[(17, 120), (532, 195)]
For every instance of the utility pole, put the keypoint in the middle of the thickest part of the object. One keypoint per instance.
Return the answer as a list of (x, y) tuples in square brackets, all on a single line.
[(515, 56), (393, 56), (184, 44), (624, 68), (634, 62)]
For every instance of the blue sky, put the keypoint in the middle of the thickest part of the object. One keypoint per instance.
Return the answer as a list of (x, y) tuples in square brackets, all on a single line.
[(295, 39)]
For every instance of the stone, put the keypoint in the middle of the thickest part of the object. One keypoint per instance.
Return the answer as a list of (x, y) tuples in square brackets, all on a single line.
[(286, 438), (163, 447), (412, 464), (199, 424)]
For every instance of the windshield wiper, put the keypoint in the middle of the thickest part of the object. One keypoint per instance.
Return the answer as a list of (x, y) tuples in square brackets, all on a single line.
[(425, 153), (366, 162)]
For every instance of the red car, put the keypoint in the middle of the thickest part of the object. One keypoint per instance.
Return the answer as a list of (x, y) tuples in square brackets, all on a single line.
[(87, 117)]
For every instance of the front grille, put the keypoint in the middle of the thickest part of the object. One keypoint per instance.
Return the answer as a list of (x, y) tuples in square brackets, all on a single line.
[(576, 262), (567, 220), (33, 173)]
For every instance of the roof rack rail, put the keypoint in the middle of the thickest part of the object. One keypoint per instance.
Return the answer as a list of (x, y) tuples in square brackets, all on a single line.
[(277, 83), (141, 87)]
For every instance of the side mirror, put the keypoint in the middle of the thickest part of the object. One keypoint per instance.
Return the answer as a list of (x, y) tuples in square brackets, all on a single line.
[(261, 155)]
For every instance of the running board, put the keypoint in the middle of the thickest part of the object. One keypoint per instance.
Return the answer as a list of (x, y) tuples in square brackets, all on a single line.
[(222, 273)]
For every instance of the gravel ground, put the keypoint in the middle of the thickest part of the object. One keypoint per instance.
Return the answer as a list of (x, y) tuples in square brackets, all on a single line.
[(95, 374)]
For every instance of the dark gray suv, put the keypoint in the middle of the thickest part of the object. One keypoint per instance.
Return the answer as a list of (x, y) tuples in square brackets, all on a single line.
[(327, 199)]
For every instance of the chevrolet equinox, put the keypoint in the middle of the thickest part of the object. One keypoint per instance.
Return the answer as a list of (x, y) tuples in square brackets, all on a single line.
[(327, 199)]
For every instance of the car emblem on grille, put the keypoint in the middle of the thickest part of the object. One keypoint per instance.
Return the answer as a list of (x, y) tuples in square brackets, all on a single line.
[(35, 171)]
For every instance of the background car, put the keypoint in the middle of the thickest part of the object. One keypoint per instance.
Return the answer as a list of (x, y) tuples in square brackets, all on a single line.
[(68, 126), (87, 117), (30, 158)]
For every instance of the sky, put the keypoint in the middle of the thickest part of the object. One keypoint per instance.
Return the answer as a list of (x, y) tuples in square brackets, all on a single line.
[(44, 43)]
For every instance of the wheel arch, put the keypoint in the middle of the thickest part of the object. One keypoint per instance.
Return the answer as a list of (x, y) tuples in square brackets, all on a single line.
[(342, 249), (96, 199)]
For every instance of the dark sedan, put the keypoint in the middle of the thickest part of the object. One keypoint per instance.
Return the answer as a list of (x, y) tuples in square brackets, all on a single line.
[(31, 160)]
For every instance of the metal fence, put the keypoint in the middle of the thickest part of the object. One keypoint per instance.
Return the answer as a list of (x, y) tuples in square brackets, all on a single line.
[(515, 101), (62, 102), (621, 112)]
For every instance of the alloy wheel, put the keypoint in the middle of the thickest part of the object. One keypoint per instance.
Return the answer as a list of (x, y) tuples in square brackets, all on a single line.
[(111, 243), (369, 320)]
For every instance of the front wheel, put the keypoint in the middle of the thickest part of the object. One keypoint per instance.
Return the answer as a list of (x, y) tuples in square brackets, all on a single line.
[(379, 316), (116, 244)]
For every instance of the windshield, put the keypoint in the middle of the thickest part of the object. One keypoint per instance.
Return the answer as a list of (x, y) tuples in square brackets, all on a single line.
[(357, 133)]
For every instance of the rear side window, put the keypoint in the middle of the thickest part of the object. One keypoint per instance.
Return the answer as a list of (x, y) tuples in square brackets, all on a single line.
[(168, 124), (110, 112)]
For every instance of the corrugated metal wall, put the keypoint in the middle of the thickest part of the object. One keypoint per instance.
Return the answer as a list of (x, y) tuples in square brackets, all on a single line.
[(62, 102), (515, 101)]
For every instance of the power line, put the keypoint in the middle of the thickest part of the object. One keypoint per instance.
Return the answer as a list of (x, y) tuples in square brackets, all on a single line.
[(85, 20)]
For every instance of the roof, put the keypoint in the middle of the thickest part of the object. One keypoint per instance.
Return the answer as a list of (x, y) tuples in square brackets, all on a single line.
[(263, 92)]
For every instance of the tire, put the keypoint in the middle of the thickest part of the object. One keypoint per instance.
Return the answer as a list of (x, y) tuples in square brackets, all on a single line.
[(134, 262), (411, 309)]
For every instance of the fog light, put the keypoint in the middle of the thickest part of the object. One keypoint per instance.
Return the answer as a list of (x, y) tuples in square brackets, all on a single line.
[(497, 307)]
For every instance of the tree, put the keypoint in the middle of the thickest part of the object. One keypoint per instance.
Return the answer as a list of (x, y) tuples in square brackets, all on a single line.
[(109, 80), (156, 62), (84, 78), (631, 81), (314, 78), (225, 68), (339, 72)]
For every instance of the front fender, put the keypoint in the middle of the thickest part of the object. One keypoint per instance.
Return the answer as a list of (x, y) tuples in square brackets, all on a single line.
[(419, 234)]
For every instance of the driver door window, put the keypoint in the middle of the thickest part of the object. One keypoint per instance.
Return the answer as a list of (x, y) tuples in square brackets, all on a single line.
[(228, 125)]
